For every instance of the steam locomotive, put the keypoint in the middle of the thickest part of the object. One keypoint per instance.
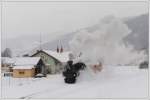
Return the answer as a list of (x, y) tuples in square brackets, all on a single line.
[(72, 71)]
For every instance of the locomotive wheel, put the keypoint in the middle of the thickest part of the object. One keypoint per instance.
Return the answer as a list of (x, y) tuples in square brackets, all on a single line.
[(70, 80)]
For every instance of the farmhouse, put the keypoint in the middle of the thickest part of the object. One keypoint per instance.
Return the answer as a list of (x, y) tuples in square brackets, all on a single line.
[(53, 60), (28, 67)]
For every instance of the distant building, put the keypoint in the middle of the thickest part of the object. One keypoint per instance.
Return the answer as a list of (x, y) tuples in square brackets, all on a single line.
[(28, 67), (53, 60), (7, 64)]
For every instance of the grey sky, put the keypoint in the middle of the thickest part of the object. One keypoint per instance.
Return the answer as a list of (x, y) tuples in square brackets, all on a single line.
[(61, 17)]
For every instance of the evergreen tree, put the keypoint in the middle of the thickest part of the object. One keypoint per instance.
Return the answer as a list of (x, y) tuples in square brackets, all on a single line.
[(7, 53)]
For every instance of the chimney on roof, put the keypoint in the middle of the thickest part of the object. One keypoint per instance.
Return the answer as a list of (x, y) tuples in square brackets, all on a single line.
[(61, 49), (57, 49)]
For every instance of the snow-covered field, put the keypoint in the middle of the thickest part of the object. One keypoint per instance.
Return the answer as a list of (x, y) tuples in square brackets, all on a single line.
[(119, 82)]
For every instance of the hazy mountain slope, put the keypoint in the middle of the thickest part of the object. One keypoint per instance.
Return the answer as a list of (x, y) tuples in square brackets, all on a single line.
[(138, 37), (27, 43), (21, 44), (62, 40)]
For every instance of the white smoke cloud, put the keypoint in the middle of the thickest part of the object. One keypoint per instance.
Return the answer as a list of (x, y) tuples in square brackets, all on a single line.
[(105, 44)]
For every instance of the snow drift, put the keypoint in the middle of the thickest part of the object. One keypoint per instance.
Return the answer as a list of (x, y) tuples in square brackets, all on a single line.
[(105, 44)]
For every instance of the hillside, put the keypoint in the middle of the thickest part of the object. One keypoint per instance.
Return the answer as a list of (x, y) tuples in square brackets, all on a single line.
[(138, 37)]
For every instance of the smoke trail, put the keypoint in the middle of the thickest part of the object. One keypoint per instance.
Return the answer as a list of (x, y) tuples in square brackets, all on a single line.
[(105, 44)]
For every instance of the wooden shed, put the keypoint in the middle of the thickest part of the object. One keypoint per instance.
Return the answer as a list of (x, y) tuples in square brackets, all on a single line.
[(28, 67), (23, 71)]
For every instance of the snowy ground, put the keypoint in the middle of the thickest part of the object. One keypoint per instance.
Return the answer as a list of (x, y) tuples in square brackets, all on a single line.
[(119, 82)]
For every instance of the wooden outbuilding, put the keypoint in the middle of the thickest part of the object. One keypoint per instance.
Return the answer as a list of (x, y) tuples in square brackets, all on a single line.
[(28, 67), (23, 71)]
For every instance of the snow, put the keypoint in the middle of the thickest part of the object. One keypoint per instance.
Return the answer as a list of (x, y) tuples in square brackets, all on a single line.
[(62, 57), (116, 82), (23, 67), (19, 61), (7, 60)]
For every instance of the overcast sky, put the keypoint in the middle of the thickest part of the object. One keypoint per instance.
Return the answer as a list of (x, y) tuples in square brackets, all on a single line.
[(61, 17)]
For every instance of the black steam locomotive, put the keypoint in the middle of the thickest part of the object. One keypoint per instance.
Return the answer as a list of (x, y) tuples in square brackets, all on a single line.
[(72, 71)]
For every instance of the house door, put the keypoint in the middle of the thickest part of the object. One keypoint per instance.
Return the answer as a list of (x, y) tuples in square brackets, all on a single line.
[(37, 70)]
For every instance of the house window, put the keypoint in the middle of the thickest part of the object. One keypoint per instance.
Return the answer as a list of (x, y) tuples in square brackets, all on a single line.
[(21, 72)]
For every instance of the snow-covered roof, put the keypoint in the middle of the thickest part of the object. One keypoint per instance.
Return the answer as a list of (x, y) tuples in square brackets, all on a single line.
[(62, 57), (23, 67), (24, 61), (7, 60)]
